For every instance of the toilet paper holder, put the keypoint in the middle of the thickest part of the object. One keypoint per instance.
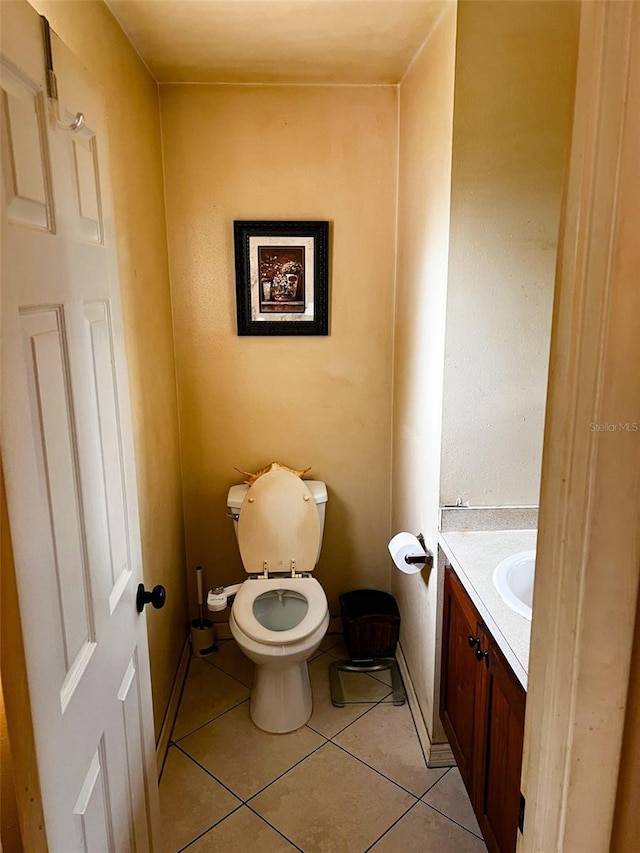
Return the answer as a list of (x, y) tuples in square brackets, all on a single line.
[(409, 553), (425, 559)]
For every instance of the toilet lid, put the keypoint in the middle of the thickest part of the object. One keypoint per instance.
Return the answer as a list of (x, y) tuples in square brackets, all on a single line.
[(278, 523)]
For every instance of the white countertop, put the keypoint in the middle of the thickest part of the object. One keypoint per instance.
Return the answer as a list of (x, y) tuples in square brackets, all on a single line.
[(474, 555)]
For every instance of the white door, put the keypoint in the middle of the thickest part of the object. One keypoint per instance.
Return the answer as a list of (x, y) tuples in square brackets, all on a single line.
[(68, 456)]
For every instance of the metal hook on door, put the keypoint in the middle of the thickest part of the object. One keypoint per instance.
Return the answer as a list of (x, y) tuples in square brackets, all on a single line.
[(52, 85), (74, 126)]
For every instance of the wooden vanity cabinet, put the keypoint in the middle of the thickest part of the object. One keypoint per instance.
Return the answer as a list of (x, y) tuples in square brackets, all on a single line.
[(482, 710)]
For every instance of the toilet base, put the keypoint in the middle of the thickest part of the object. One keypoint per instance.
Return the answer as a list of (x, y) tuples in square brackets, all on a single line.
[(281, 697)]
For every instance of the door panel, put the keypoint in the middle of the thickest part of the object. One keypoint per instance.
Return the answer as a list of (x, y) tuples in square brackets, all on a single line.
[(130, 697), (93, 809), (111, 479), (26, 161), (87, 185), (68, 457), (55, 454)]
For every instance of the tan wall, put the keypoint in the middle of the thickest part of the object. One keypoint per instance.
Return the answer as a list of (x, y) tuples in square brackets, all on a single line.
[(515, 72), (10, 836), (426, 115), (90, 31), (243, 152)]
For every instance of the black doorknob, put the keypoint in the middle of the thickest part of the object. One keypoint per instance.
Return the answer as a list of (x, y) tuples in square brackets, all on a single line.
[(156, 597), (480, 655), (474, 641)]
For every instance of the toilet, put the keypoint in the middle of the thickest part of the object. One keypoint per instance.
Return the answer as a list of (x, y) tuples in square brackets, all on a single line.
[(280, 613)]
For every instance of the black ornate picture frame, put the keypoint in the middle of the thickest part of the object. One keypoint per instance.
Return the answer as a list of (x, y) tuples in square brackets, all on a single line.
[(282, 277)]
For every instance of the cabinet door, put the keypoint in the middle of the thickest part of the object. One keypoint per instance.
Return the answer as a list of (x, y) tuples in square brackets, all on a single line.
[(503, 698), (459, 685)]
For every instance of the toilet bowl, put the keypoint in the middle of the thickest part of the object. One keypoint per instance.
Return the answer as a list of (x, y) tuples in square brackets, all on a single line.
[(280, 613)]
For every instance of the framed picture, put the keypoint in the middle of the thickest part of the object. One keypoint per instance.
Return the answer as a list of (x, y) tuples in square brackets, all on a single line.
[(282, 277)]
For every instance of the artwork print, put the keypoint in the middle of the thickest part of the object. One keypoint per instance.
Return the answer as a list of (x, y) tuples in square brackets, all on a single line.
[(281, 279)]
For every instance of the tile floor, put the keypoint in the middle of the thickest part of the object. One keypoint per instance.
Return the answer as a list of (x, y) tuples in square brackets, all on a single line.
[(353, 779)]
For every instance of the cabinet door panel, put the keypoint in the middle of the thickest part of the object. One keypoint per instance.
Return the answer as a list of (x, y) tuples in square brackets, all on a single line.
[(459, 681), (498, 803)]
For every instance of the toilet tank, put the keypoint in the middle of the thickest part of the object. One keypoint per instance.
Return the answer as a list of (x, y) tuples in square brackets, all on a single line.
[(317, 488)]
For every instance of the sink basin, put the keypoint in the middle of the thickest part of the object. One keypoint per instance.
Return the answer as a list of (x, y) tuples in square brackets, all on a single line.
[(513, 578)]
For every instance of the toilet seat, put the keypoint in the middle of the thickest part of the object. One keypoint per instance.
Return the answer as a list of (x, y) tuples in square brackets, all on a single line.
[(246, 621)]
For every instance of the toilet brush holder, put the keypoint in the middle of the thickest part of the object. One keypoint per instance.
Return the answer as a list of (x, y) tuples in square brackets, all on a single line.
[(203, 637)]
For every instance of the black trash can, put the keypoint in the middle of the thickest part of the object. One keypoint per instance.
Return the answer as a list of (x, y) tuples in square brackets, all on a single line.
[(370, 623), (371, 628)]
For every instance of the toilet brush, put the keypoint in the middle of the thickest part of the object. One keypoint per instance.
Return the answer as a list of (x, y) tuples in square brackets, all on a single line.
[(200, 595), (203, 640)]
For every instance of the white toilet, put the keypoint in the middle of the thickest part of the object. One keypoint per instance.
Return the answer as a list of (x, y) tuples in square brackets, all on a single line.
[(280, 614)]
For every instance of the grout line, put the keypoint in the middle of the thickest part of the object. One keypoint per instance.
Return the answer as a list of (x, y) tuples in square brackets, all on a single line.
[(213, 719), (224, 671), (208, 772), (373, 675), (372, 705), (284, 773), (213, 826), (365, 672), (275, 828), (330, 738), (335, 657), (457, 823), (344, 728), (375, 770), (381, 702), (389, 828), (338, 637), (433, 784)]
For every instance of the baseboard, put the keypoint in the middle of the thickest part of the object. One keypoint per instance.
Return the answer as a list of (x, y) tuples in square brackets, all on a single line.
[(441, 756), (436, 754), (172, 708)]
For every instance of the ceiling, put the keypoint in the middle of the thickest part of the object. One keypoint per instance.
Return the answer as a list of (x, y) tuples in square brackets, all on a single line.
[(277, 41)]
